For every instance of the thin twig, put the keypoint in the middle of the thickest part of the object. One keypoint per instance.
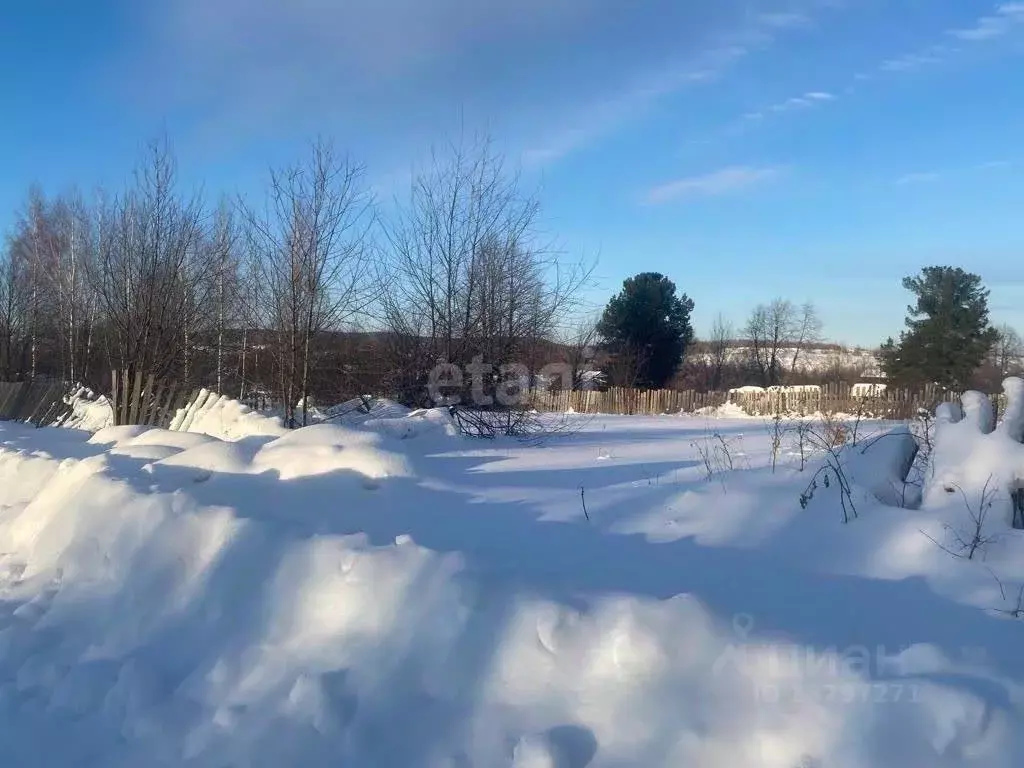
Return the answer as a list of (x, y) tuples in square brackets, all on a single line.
[(583, 500)]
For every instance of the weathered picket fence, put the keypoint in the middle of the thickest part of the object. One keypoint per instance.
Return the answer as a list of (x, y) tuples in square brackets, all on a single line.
[(897, 405), (39, 402), (618, 400), (145, 400)]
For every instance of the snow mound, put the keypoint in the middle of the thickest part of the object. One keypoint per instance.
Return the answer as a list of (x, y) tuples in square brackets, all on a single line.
[(325, 448), (88, 412), (880, 466), (728, 410), (973, 457), (316, 598), (351, 412), (360, 410), (432, 421), (222, 417)]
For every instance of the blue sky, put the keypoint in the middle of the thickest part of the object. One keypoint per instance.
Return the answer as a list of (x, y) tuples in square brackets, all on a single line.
[(812, 149)]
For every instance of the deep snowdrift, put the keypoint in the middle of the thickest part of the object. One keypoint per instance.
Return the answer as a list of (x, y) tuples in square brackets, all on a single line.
[(390, 595)]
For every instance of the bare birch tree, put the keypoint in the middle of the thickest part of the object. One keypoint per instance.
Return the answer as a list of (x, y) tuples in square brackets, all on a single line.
[(719, 340), (806, 331), (769, 329), (778, 327), (467, 274), (148, 270), (310, 248), (12, 313)]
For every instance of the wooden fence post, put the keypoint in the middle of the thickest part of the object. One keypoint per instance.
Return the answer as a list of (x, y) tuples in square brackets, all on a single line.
[(124, 398)]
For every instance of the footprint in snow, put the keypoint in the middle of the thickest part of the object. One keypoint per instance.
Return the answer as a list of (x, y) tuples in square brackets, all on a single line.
[(565, 746)]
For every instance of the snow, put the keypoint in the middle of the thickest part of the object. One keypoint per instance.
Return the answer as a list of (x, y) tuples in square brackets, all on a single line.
[(728, 410), (747, 390), (867, 389), (220, 416), (385, 593), (89, 411), (795, 389), (361, 410), (974, 457)]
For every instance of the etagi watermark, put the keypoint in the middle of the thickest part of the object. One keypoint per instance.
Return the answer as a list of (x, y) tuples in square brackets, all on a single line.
[(788, 674), (508, 384)]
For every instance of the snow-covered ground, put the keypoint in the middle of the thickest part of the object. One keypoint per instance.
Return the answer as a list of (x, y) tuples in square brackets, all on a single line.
[(385, 593)]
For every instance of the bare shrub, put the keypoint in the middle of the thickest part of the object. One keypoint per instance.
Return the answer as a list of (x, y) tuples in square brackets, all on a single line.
[(523, 423), (778, 431), (1016, 610), (834, 432), (828, 440), (717, 453), (802, 430), (970, 539)]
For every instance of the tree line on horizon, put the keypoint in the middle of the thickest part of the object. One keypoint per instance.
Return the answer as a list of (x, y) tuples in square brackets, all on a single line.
[(317, 293), (313, 292), (948, 340)]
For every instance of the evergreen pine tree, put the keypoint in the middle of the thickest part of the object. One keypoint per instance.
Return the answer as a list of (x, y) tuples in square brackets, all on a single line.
[(948, 332), (648, 326)]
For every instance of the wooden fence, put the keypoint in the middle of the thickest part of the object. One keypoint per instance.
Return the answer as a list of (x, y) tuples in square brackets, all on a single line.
[(626, 401), (135, 399), (39, 402), (145, 400), (896, 404)]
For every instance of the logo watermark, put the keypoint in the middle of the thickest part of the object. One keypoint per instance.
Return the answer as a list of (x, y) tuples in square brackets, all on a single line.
[(787, 673), (484, 384)]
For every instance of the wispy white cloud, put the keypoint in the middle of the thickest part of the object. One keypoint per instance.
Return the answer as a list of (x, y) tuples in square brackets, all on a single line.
[(929, 177), (721, 182), (784, 20), (909, 62), (1005, 18), (603, 117), (924, 177), (395, 73), (808, 99), (760, 32)]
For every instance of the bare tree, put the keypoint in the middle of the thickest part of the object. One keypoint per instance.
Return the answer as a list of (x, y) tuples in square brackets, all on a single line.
[(222, 247), (578, 349), (29, 250), (1008, 352), (625, 366), (467, 277), (805, 331), (12, 313), (48, 253), (776, 328), (769, 330), (722, 334), (66, 257), (147, 269), (310, 249)]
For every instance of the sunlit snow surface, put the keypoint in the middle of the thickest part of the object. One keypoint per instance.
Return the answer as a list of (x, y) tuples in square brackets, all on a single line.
[(389, 594)]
